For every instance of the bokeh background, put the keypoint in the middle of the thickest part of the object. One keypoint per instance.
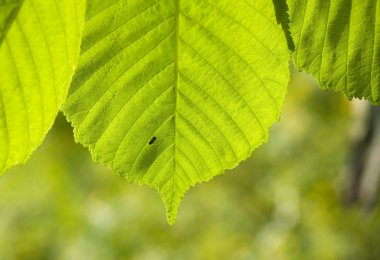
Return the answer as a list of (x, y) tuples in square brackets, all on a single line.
[(287, 202)]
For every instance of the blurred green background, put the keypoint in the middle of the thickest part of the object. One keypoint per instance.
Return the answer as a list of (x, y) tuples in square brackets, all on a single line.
[(285, 202)]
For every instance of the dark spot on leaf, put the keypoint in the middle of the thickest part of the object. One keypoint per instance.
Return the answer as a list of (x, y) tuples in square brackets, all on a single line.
[(152, 140)]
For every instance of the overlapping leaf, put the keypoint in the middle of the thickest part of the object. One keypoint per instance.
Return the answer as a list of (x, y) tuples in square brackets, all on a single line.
[(171, 93), (38, 54), (339, 43), (8, 11), (282, 15)]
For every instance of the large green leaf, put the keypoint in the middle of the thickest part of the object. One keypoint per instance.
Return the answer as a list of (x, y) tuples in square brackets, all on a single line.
[(171, 93), (37, 58), (339, 43)]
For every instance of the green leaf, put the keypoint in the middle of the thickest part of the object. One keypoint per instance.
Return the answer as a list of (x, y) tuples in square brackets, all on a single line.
[(171, 93), (8, 11), (339, 43), (38, 56)]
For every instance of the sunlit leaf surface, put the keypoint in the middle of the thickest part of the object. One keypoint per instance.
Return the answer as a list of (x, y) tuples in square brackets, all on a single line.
[(171, 93), (38, 54), (339, 43)]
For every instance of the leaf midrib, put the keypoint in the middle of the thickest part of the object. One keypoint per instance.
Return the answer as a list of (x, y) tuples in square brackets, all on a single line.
[(175, 89)]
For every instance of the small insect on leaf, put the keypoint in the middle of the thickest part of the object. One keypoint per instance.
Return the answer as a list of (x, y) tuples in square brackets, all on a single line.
[(152, 140)]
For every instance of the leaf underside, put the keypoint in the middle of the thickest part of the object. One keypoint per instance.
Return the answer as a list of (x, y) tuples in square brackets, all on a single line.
[(339, 43), (171, 93), (38, 53)]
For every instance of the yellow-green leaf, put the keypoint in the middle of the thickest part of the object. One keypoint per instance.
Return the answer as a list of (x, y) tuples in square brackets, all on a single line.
[(339, 43), (38, 55), (171, 93)]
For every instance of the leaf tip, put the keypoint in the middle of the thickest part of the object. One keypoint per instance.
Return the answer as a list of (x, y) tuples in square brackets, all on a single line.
[(172, 201), (171, 218)]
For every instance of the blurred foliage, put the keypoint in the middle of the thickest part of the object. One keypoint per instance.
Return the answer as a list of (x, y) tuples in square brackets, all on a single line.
[(283, 203)]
